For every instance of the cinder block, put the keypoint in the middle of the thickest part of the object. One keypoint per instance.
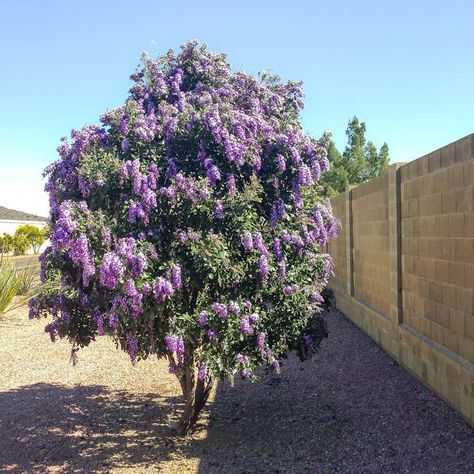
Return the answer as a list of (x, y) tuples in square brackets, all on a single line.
[(442, 271), (428, 184), (434, 161), (469, 328), (435, 248), (447, 155), (449, 295), (457, 273), (448, 249), (450, 340), (464, 299), (463, 199), (466, 349), (456, 175), (464, 250), (442, 315), (448, 199), (464, 149), (442, 226), (456, 321), (437, 333), (456, 225), (469, 172), (441, 180)]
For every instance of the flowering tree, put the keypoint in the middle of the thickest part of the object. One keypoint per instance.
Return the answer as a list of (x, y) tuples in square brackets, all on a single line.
[(189, 226)]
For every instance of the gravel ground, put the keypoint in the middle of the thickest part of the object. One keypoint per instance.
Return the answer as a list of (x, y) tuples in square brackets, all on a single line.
[(349, 409)]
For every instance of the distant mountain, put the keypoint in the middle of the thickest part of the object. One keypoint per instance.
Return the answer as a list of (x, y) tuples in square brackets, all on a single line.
[(12, 215)]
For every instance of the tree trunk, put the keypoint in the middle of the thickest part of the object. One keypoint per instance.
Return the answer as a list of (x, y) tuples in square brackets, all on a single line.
[(195, 393)]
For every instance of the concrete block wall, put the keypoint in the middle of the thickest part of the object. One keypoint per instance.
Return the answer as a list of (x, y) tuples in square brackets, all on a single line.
[(406, 254), (337, 247)]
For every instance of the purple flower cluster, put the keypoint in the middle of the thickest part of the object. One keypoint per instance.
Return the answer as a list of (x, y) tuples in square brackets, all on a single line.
[(175, 345), (247, 323), (81, 253), (220, 309), (202, 372), (163, 288), (203, 318), (111, 270), (132, 346), (176, 281)]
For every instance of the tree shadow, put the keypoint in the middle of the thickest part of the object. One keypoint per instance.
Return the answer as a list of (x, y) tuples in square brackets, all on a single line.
[(83, 429)]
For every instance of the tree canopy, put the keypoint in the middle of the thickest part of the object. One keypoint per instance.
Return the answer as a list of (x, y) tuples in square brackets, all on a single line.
[(189, 226), (359, 162)]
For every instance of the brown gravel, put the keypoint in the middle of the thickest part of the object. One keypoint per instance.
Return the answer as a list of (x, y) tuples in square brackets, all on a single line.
[(349, 409)]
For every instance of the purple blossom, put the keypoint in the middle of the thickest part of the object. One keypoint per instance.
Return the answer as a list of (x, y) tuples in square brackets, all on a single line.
[(220, 309), (203, 318), (261, 340), (316, 298), (114, 322), (246, 374), (282, 270), (132, 347), (212, 334), (308, 341), (176, 276), (290, 289), (163, 288), (137, 264), (259, 245), (242, 359), (245, 326), (247, 241), (281, 163), (234, 307), (219, 210), (263, 266), (129, 287), (110, 271), (80, 253), (231, 186), (171, 343), (213, 175), (253, 318), (277, 250), (202, 372), (125, 145)]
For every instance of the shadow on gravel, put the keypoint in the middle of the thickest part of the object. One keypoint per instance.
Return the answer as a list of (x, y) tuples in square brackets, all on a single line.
[(349, 409), (87, 429)]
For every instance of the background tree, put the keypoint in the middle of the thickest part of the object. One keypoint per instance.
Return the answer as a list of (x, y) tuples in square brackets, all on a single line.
[(20, 243), (6, 243), (359, 162), (189, 225), (34, 236)]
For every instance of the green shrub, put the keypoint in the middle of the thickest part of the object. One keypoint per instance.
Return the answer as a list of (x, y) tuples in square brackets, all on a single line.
[(9, 284)]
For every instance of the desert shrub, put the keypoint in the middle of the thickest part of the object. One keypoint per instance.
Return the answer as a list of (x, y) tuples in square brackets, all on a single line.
[(9, 284), (189, 224), (28, 277)]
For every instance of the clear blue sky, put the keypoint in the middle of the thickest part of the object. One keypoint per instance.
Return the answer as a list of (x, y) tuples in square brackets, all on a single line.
[(404, 67)]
